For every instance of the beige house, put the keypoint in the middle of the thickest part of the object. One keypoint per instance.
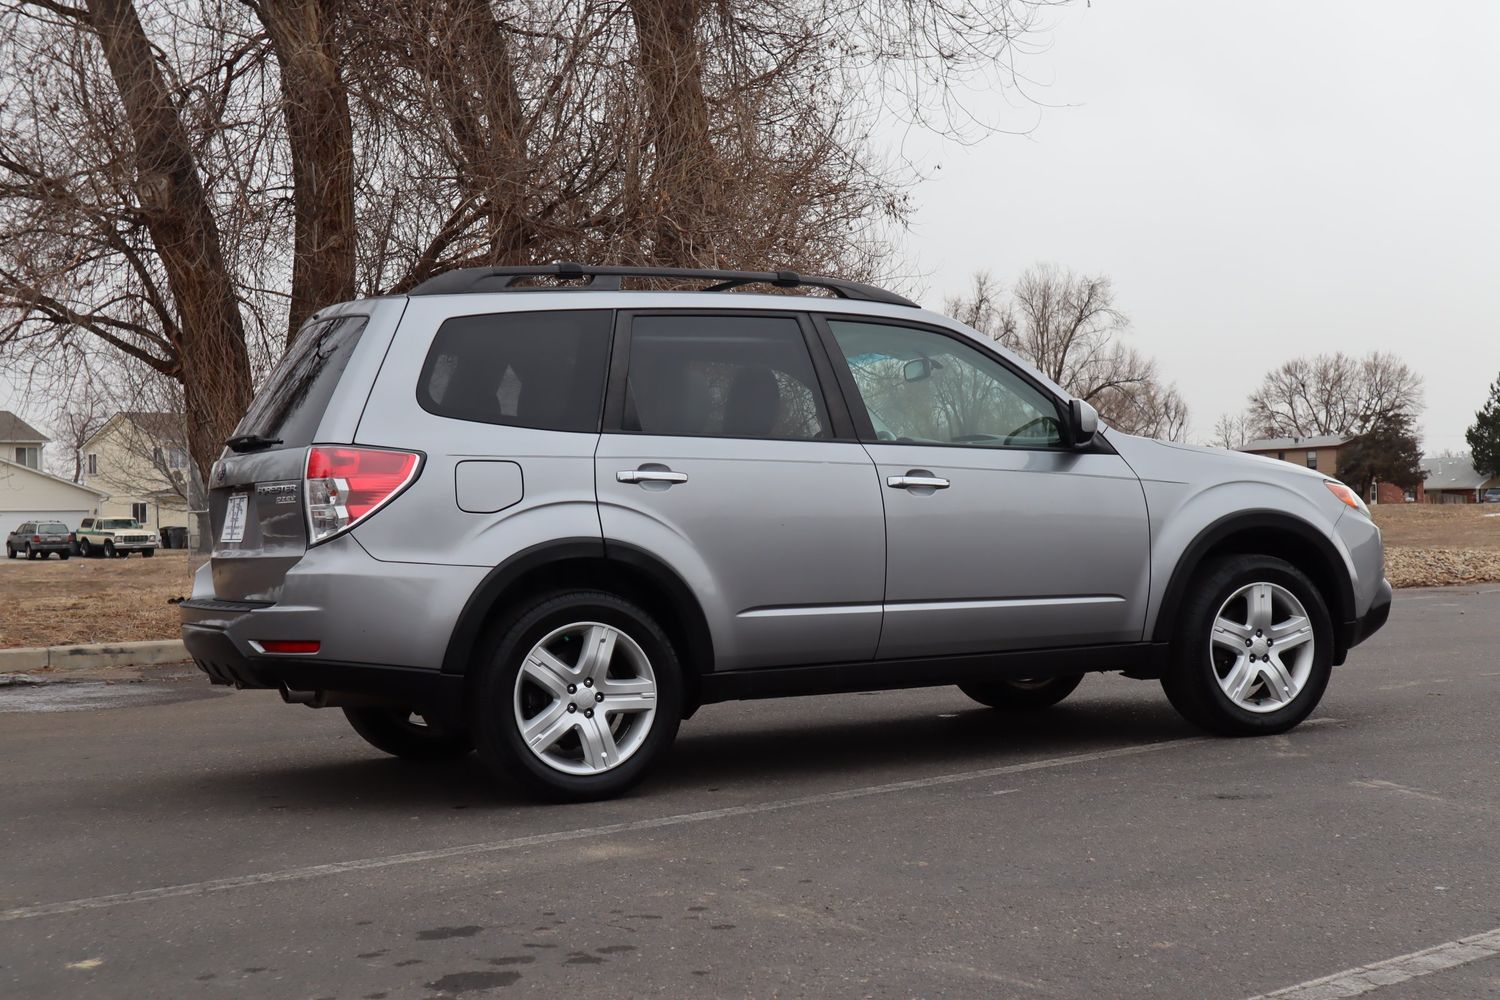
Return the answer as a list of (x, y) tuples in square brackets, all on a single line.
[(141, 461), (29, 494), (1320, 452)]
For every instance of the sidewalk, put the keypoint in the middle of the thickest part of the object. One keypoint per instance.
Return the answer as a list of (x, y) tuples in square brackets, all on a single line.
[(92, 662)]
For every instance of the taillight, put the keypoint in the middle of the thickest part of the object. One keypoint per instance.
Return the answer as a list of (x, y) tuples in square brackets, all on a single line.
[(36, 538), (343, 486)]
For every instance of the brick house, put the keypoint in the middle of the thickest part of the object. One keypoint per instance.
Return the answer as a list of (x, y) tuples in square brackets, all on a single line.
[(1455, 480), (1321, 452)]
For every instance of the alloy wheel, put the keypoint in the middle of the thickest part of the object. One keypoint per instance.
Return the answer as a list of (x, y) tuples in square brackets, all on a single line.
[(1262, 647), (585, 698)]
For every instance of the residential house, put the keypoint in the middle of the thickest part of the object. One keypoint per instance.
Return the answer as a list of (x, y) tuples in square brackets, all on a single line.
[(29, 494), (1455, 480), (1321, 452), (140, 459)]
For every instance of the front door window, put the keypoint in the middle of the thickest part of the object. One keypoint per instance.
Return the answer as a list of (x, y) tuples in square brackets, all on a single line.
[(922, 387)]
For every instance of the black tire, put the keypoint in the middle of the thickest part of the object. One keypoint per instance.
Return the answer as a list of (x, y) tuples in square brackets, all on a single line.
[(1192, 679), (494, 725), (407, 734), (30, 552), (147, 553), (1022, 696), (110, 552), (85, 549), (63, 556), (10, 553)]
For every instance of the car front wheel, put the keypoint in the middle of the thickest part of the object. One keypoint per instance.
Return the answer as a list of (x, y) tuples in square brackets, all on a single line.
[(109, 550), (581, 695), (1253, 650), (10, 553), (1022, 695)]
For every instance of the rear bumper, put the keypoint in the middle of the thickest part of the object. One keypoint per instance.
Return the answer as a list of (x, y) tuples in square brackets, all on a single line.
[(216, 654), (1357, 631)]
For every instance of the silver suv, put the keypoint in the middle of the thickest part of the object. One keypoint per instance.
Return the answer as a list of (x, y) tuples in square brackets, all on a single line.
[(549, 521)]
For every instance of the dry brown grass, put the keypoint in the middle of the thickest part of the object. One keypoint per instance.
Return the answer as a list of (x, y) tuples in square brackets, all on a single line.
[(1433, 545), (54, 603)]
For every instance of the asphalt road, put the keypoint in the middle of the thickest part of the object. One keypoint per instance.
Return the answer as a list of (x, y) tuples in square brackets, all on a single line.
[(177, 841)]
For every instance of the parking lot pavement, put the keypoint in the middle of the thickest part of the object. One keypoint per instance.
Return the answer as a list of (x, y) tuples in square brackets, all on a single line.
[(893, 844)]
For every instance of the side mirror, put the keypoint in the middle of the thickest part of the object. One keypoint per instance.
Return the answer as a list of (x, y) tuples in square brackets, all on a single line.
[(918, 369), (1083, 422)]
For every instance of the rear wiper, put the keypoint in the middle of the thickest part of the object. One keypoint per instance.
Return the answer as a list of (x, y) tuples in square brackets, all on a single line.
[(250, 442)]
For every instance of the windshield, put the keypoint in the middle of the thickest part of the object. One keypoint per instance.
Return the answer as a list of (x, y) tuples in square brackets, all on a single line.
[(117, 522)]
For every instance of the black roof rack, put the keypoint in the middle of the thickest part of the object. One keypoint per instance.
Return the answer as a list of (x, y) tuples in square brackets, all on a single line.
[(500, 279)]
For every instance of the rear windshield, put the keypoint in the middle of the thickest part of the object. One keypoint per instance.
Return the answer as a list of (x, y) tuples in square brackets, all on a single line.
[(527, 369), (53, 526), (291, 403)]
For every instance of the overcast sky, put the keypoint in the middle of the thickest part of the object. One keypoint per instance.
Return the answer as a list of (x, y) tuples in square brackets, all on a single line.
[(1261, 180)]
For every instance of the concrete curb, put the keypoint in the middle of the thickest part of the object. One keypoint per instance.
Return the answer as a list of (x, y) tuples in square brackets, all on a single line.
[(92, 657)]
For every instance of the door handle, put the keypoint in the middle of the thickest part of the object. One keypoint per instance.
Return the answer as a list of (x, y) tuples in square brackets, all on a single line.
[(651, 476), (925, 480)]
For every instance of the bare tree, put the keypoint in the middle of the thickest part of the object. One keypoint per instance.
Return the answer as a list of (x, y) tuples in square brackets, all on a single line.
[(81, 412), (169, 170), (1067, 326), (303, 34), (1233, 430), (1334, 394)]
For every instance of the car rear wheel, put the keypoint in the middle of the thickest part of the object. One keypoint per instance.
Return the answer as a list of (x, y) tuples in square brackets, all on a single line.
[(30, 552), (581, 695), (1022, 695), (409, 735), (84, 548), (63, 555), (1253, 650)]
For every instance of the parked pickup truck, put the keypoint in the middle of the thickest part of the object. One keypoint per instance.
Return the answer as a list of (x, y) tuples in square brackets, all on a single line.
[(114, 536)]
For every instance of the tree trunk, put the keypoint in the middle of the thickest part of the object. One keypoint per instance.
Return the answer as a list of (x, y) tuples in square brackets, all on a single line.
[(475, 80), (213, 365), (678, 128), (315, 104)]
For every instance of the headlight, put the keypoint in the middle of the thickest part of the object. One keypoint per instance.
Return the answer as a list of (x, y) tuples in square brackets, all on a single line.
[(1347, 495)]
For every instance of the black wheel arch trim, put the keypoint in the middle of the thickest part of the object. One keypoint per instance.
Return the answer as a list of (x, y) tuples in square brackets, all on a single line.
[(478, 610), (1229, 525)]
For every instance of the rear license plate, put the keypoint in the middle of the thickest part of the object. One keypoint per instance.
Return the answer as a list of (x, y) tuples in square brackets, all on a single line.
[(234, 519)]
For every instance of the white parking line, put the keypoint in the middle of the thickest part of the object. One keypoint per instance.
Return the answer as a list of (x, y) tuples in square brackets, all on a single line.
[(1376, 975), (467, 850)]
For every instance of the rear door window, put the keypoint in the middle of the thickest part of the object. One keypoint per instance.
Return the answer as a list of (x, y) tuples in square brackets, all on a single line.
[(525, 369), (291, 404), (722, 376)]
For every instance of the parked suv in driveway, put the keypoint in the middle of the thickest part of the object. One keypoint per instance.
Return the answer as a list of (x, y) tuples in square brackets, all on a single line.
[(551, 522), (38, 539)]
